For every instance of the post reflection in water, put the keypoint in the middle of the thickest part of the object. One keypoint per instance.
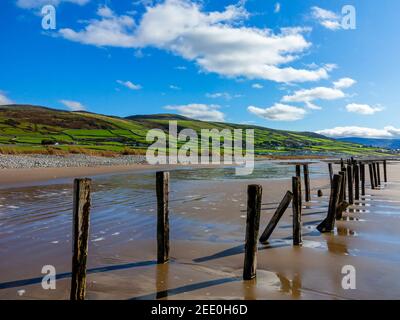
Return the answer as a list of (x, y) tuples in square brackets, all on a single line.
[(162, 273)]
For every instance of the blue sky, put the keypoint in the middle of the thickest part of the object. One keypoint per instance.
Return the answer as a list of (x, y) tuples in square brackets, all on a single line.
[(281, 64)]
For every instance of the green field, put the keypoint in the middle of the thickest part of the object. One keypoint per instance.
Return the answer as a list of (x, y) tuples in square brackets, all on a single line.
[(31, 129)]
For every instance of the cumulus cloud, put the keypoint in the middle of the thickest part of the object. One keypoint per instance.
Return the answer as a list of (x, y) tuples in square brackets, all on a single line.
[(34, 4), (279, 112), (223, 95), (174, 87), (363, 109), (326, 18), (318, 93), (4, 100), (257, 86), (344, 83), (199, 111), (361, 132), (129, 85), (73, 105), (216, 41)]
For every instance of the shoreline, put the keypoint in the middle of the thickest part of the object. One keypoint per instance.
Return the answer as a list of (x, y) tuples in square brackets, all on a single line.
[(25, 170)]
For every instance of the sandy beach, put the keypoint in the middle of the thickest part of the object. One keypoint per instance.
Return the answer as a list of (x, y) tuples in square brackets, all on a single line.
[(207, 237)]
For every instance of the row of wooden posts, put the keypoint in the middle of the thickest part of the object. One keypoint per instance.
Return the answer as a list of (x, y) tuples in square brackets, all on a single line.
[(355, 173)]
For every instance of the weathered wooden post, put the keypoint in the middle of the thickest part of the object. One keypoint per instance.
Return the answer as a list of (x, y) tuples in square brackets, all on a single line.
[(329, 223), (371, 175), (356, 182), (344, 184), (298, 175), (330, 172), (378, 170), (298, 171), (276, 217), (296, 206), (362, 173), (385, 171), (162, 189), (307, 183), (254, 196), (350, 183), (375, 175), (81, 222)]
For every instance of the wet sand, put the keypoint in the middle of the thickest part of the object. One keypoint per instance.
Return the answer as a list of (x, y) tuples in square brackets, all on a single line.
[(207, 236)]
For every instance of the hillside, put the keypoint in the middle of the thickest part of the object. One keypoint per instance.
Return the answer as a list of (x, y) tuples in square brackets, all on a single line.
[(33, 129), (377, 143)]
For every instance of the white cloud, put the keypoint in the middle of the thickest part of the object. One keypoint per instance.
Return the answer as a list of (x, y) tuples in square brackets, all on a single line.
[(199, 111), (111, 30), (217, 41), (318, 93), (224, 95), (362, 132), (181, 68), (257, 86), (174, 87), (73, 105), (364, 109), (4, 99), (129, 85), (344, 83), (277, 7), (279, 112), (326, 18), (34, 4)]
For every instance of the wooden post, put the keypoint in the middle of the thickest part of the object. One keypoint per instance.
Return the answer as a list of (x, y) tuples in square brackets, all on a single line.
[(162, 188), (298, 175), (342, 187), (378, 170), (329, 223), (81, 222), (362, 173), (371, 175), (307, 183), (385, 171), (298, 171), (254, 196), (350, 183), (375, 175), (356, 182), (276, 217), (344, 183), (296, 205), (330, 172)]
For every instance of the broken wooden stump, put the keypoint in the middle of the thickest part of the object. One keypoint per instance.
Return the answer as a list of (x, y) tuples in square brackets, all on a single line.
[(81, 222), (356, 182), (276, 217), (162, 189), (296, 206), (329, 223), (350, 183), (254, 196), (307, 188)]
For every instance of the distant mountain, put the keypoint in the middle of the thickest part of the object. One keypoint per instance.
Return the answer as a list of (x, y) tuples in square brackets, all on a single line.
[(27, 128), (377, 143)]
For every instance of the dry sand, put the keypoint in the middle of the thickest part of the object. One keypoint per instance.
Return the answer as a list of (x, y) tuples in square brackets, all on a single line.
[(368, 239)]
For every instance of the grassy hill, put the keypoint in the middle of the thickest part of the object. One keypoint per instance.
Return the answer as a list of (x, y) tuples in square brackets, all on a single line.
[(33, 129)]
